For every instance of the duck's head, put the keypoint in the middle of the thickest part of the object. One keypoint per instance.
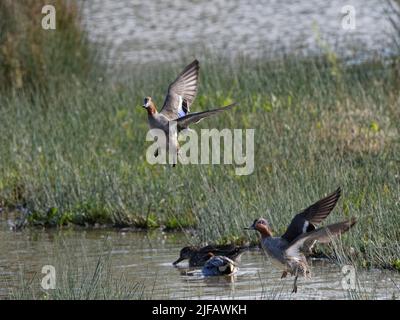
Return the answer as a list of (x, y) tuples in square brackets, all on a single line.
[(149, 105), (185, 253), (261, 225)]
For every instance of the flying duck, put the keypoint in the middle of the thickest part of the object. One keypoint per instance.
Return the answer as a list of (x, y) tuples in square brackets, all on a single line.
[(175, 110)]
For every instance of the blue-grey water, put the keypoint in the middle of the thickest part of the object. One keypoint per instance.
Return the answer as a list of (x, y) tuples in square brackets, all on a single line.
[(152, 31)]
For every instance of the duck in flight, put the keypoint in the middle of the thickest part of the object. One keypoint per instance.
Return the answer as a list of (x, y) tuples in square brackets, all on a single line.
[(175, 110), (289, 251)]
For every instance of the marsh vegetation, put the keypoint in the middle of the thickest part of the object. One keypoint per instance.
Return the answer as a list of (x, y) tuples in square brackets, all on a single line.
[(73, 141)]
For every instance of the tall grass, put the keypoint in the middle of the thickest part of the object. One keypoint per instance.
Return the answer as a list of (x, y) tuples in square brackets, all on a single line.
[(34, 58)]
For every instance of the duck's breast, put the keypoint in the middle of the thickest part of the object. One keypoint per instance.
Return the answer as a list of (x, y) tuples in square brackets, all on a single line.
[(275, 248)]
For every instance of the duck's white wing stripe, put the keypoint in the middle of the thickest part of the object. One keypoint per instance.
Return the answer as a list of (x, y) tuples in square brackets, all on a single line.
[(305, 226)]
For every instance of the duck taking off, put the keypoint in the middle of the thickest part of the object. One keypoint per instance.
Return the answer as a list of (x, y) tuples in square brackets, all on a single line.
[(174, 113), (289, 251)]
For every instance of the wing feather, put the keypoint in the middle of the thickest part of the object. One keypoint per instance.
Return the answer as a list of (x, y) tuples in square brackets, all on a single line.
[(323, 235), (182, 92), (306, 220), (196, 117)]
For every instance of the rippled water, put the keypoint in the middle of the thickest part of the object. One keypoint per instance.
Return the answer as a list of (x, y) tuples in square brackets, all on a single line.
[(145, 31), (146, 258)]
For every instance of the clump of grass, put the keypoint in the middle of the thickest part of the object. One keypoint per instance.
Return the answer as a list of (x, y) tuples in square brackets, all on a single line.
[(34, 58), (396, 264)]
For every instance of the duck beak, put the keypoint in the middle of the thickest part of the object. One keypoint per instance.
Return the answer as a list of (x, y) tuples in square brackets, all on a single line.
[(177, 261)]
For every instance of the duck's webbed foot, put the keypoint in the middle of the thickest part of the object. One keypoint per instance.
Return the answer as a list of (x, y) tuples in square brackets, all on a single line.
[(284, 274)]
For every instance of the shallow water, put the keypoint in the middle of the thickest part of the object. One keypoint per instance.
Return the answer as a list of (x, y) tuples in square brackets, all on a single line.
[(146, 257), (151, 31)]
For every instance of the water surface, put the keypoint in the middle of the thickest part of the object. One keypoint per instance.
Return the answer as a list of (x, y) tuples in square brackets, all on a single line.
[(152, 31), (146, 257)]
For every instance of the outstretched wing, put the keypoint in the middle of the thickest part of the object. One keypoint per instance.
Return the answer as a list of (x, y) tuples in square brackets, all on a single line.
[(306, 220), (182, 92), (322, 235), (196, 117)]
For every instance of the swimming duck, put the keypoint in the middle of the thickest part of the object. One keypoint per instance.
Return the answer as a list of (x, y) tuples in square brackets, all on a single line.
[(218, 266), (289, 251), (175, 110), (199, 256)]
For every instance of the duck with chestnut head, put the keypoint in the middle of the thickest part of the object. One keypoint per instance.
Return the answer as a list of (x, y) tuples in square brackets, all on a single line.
[(175, 113), (288, 252)]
